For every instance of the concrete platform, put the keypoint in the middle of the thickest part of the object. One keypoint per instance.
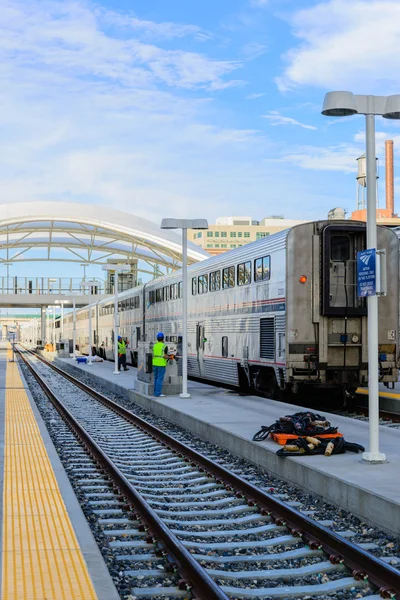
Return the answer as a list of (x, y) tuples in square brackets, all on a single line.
[(372, 492), (47, 548)]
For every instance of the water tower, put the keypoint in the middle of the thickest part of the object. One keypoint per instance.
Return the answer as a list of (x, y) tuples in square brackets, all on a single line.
[(362, 182)]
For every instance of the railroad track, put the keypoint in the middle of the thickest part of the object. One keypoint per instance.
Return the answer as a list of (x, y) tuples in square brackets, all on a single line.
[(228, 538), (385, 415)]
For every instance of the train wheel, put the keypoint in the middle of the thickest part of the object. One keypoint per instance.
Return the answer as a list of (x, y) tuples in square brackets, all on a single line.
[(266, 384)]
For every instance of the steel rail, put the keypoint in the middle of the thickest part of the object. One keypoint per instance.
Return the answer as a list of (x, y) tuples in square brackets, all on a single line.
[(195, 577), (340, 550), (383, 414)]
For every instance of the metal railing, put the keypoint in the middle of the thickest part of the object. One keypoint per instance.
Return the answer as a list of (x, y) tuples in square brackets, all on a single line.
[(49, 285)]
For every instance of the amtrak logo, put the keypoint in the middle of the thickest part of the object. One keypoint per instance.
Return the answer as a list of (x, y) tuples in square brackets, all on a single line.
[(366, 258)]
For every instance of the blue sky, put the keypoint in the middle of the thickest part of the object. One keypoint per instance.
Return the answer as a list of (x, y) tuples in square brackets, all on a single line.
[(191, 107)]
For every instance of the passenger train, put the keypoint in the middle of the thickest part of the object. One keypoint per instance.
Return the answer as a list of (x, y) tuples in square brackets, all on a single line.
[(277, 316)]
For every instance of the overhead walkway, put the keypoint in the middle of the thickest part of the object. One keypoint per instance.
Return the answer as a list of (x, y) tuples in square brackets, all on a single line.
[(41, 291)]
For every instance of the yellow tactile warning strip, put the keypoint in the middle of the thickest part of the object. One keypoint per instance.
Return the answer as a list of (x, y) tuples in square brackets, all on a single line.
[(42, 559), (364, 391)]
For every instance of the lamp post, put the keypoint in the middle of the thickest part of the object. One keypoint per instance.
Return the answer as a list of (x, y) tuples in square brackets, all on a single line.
[(116, 269), (52, 309), (89, 284), (342, 104), (184, 224), (62, 302)]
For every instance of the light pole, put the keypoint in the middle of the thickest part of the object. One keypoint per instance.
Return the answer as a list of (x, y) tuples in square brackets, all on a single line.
[(116, 269), (89, 284), (62, 302), (184, 224), (74, 328), (52, 309), (342, 104)]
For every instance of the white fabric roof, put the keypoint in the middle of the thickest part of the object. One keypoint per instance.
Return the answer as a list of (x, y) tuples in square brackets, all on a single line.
[(87, 233)]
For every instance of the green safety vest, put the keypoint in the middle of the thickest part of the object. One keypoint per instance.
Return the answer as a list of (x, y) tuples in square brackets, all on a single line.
[(158, 355), (121, 348)]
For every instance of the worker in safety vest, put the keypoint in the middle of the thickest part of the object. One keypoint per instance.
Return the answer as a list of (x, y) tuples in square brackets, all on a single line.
[(160, 359), (121, 354)]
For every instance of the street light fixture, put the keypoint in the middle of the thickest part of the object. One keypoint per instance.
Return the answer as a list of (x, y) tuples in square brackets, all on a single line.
[(116, 269), (184, 224), (343, 104)]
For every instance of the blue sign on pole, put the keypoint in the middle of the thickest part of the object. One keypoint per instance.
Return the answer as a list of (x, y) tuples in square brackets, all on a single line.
[(366, 273)]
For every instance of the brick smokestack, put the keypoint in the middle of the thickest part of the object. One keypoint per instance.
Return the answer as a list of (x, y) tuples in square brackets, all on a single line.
[(389, 177)]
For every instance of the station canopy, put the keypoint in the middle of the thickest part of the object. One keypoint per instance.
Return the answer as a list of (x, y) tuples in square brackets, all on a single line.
[(71, 232)]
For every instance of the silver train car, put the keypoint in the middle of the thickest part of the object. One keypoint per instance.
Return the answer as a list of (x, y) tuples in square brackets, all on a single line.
[(277, 316)]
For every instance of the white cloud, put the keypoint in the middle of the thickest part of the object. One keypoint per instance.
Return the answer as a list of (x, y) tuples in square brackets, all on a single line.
[(253, 50), (68, 36), (345, 45), (254, 96), (91, 112), (151, 29), (340, 157), (335, 158), (276, 118)]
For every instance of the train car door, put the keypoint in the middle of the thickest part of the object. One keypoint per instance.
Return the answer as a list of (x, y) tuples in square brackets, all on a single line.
[(200, 341)]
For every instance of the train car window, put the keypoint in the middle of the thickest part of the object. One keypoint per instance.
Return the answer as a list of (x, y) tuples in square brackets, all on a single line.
[(203, 284), (159, 295), (137, 334), (152, 297), (258, 269), (266, 268), (340, 248), (228, 277), (244, 273), (137, 301), (215, 281), (166, 293), (180, 289), (225, 346), (194, 286), (262, 269), (173, 290)]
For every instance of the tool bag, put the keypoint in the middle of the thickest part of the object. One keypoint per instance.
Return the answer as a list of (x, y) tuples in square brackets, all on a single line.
[(301, 423)]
